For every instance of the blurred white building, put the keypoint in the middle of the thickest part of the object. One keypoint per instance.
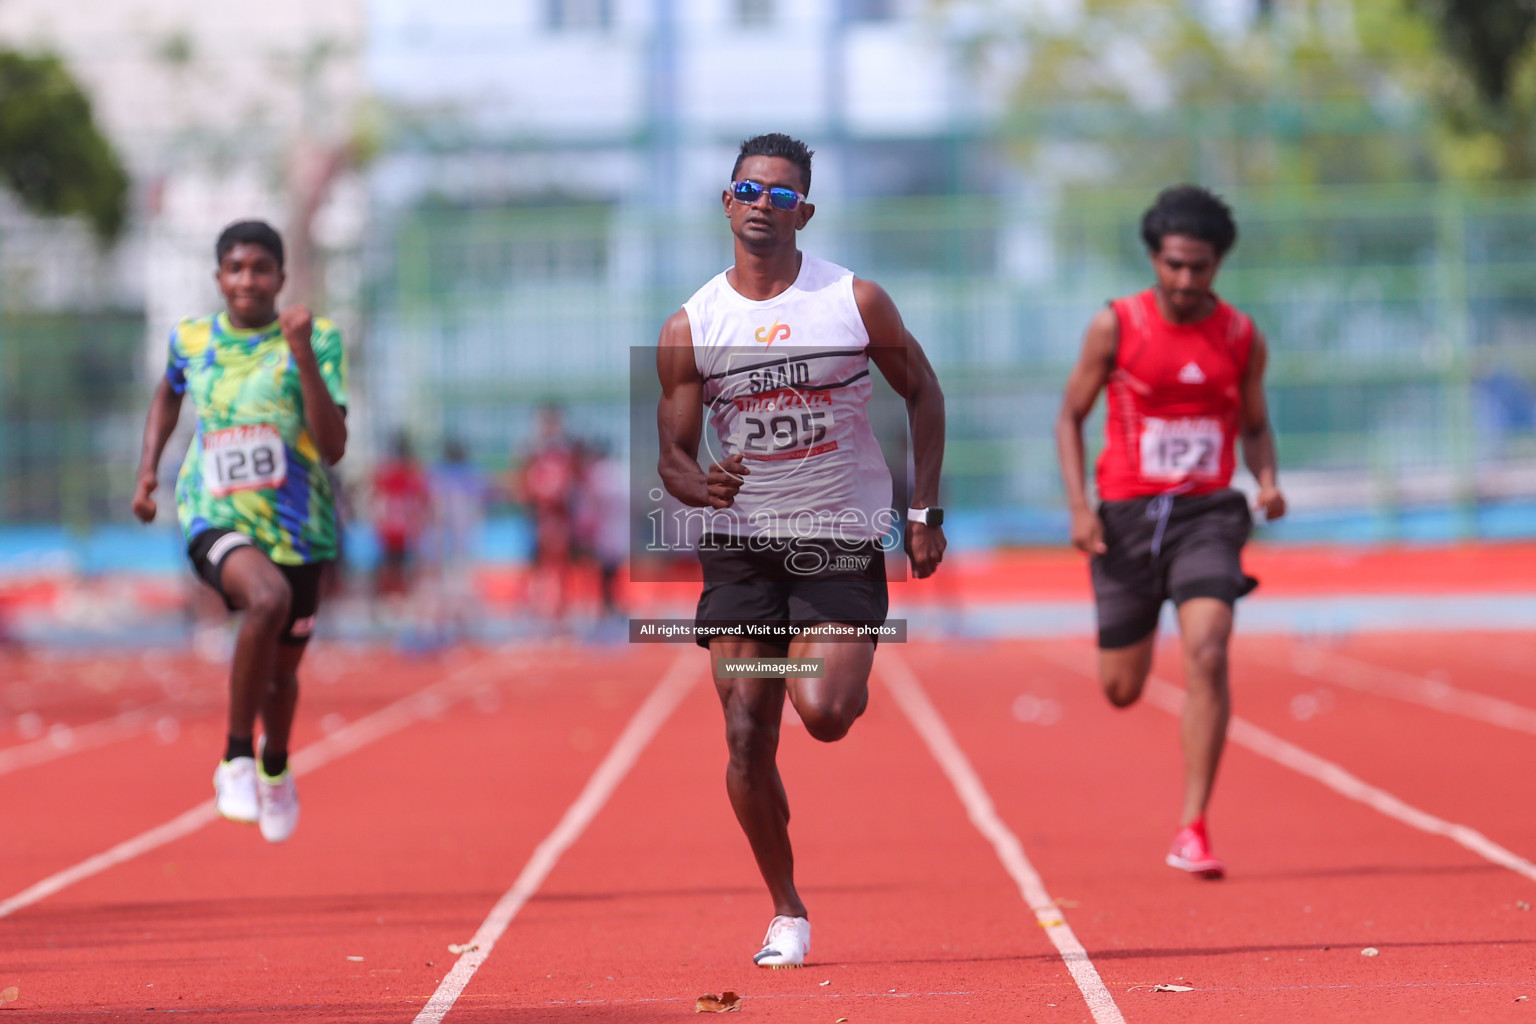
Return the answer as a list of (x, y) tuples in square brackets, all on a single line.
[(667, 88), (620, 120), (219, 111)]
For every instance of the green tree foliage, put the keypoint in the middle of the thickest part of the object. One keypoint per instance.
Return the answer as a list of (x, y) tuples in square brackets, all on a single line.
[(1142, 92), (1486, 102), (1489, 38), (1316, 91), (52, 154)]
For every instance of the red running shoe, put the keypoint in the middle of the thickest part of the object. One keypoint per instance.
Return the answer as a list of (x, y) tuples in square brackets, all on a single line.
[(1192, 852)]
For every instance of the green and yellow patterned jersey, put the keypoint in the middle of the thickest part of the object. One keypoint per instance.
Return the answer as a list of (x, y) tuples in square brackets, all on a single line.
[(253, 466)]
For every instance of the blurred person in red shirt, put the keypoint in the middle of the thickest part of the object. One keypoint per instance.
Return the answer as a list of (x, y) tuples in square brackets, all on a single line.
[(546, 482), (402, 507)]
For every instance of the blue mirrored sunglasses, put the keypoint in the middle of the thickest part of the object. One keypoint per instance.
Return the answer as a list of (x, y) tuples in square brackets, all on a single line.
[(749, 192)]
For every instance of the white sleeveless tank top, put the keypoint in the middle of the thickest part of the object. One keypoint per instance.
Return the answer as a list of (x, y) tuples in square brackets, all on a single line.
[(786, 383)]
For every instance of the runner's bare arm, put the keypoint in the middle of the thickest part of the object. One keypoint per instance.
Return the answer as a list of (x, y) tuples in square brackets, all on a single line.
[(905, 365), (680, 424), (322, 415), (1088, 378), (164, 410), (1258, 440)]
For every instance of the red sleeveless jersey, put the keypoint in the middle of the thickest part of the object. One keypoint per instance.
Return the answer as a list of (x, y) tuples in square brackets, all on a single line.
[(1175, 398)]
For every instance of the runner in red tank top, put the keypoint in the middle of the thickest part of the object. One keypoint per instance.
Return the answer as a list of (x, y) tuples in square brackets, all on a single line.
[(1184, 373), (1175, 397)]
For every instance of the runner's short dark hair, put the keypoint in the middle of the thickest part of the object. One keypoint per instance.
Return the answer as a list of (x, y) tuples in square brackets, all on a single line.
[(1193, 211), (249, 232), (780, 145)]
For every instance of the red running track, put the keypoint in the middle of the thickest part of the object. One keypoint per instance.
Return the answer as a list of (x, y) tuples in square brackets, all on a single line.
[(409, 839)]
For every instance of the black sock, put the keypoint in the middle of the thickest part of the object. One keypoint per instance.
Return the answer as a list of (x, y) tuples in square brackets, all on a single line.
[(274, 763), (239, 746)]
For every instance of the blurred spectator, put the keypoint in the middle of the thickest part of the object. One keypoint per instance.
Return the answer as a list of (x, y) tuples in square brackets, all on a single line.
[(401, 509), (460, 493), (546, 483), (1505, 409), (8, 641), (602, 518)]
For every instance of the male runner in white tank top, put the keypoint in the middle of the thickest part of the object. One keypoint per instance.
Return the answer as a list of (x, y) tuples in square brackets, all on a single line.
[(779, 348)]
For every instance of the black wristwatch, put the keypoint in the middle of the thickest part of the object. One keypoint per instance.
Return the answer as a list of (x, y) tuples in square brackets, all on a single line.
[(930, 516)]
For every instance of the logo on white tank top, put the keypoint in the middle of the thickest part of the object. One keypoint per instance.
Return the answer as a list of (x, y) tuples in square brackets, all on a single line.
[(772, 333)]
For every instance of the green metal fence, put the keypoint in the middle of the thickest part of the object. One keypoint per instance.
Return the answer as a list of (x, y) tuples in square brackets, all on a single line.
[(1400, 322), (71, 415)]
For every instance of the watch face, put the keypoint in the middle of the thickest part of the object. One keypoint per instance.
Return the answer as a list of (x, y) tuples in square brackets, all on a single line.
[(935, 517)]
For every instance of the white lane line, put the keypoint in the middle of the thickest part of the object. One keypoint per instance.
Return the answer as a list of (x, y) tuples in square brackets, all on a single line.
[(1170, 698), (1163, 694), (63, 740), (642, 728), (910, 697), (425, 703), (1366, 677)]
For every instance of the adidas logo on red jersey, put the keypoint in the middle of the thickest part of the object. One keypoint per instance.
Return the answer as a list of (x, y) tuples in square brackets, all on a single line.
[(1191, 374)]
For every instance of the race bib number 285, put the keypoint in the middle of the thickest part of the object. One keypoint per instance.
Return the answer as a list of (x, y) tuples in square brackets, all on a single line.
[(1177, 449), (791, 430), (244, 459)]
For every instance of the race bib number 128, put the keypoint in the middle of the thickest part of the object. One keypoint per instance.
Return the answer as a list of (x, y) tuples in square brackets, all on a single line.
[(1177, 449), (244, 459)]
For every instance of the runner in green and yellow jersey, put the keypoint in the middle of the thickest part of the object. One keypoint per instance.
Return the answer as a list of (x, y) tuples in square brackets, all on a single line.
[(253, 499)]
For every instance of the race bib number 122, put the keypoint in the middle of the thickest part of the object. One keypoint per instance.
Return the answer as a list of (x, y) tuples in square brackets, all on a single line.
[(1177, 449), (244, 459)]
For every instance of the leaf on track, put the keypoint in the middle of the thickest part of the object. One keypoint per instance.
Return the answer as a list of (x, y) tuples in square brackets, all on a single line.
[(1173, 988), (457, 950), (10, 995), (725, 1002), (1522, 905), (1370, 951)]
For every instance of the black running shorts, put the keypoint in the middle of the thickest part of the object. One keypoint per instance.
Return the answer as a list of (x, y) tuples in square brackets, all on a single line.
[(799, 582), (1167, 548), (212, 546)]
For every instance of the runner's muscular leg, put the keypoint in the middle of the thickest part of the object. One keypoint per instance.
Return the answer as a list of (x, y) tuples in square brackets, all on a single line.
[(753, 708), (1123, 671), (258, 588), (1205, 625), (831, 703), (281, 698)]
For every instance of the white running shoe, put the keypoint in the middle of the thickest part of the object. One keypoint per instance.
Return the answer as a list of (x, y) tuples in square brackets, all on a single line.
[(787, 942), (234, 787), (279, 806)]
